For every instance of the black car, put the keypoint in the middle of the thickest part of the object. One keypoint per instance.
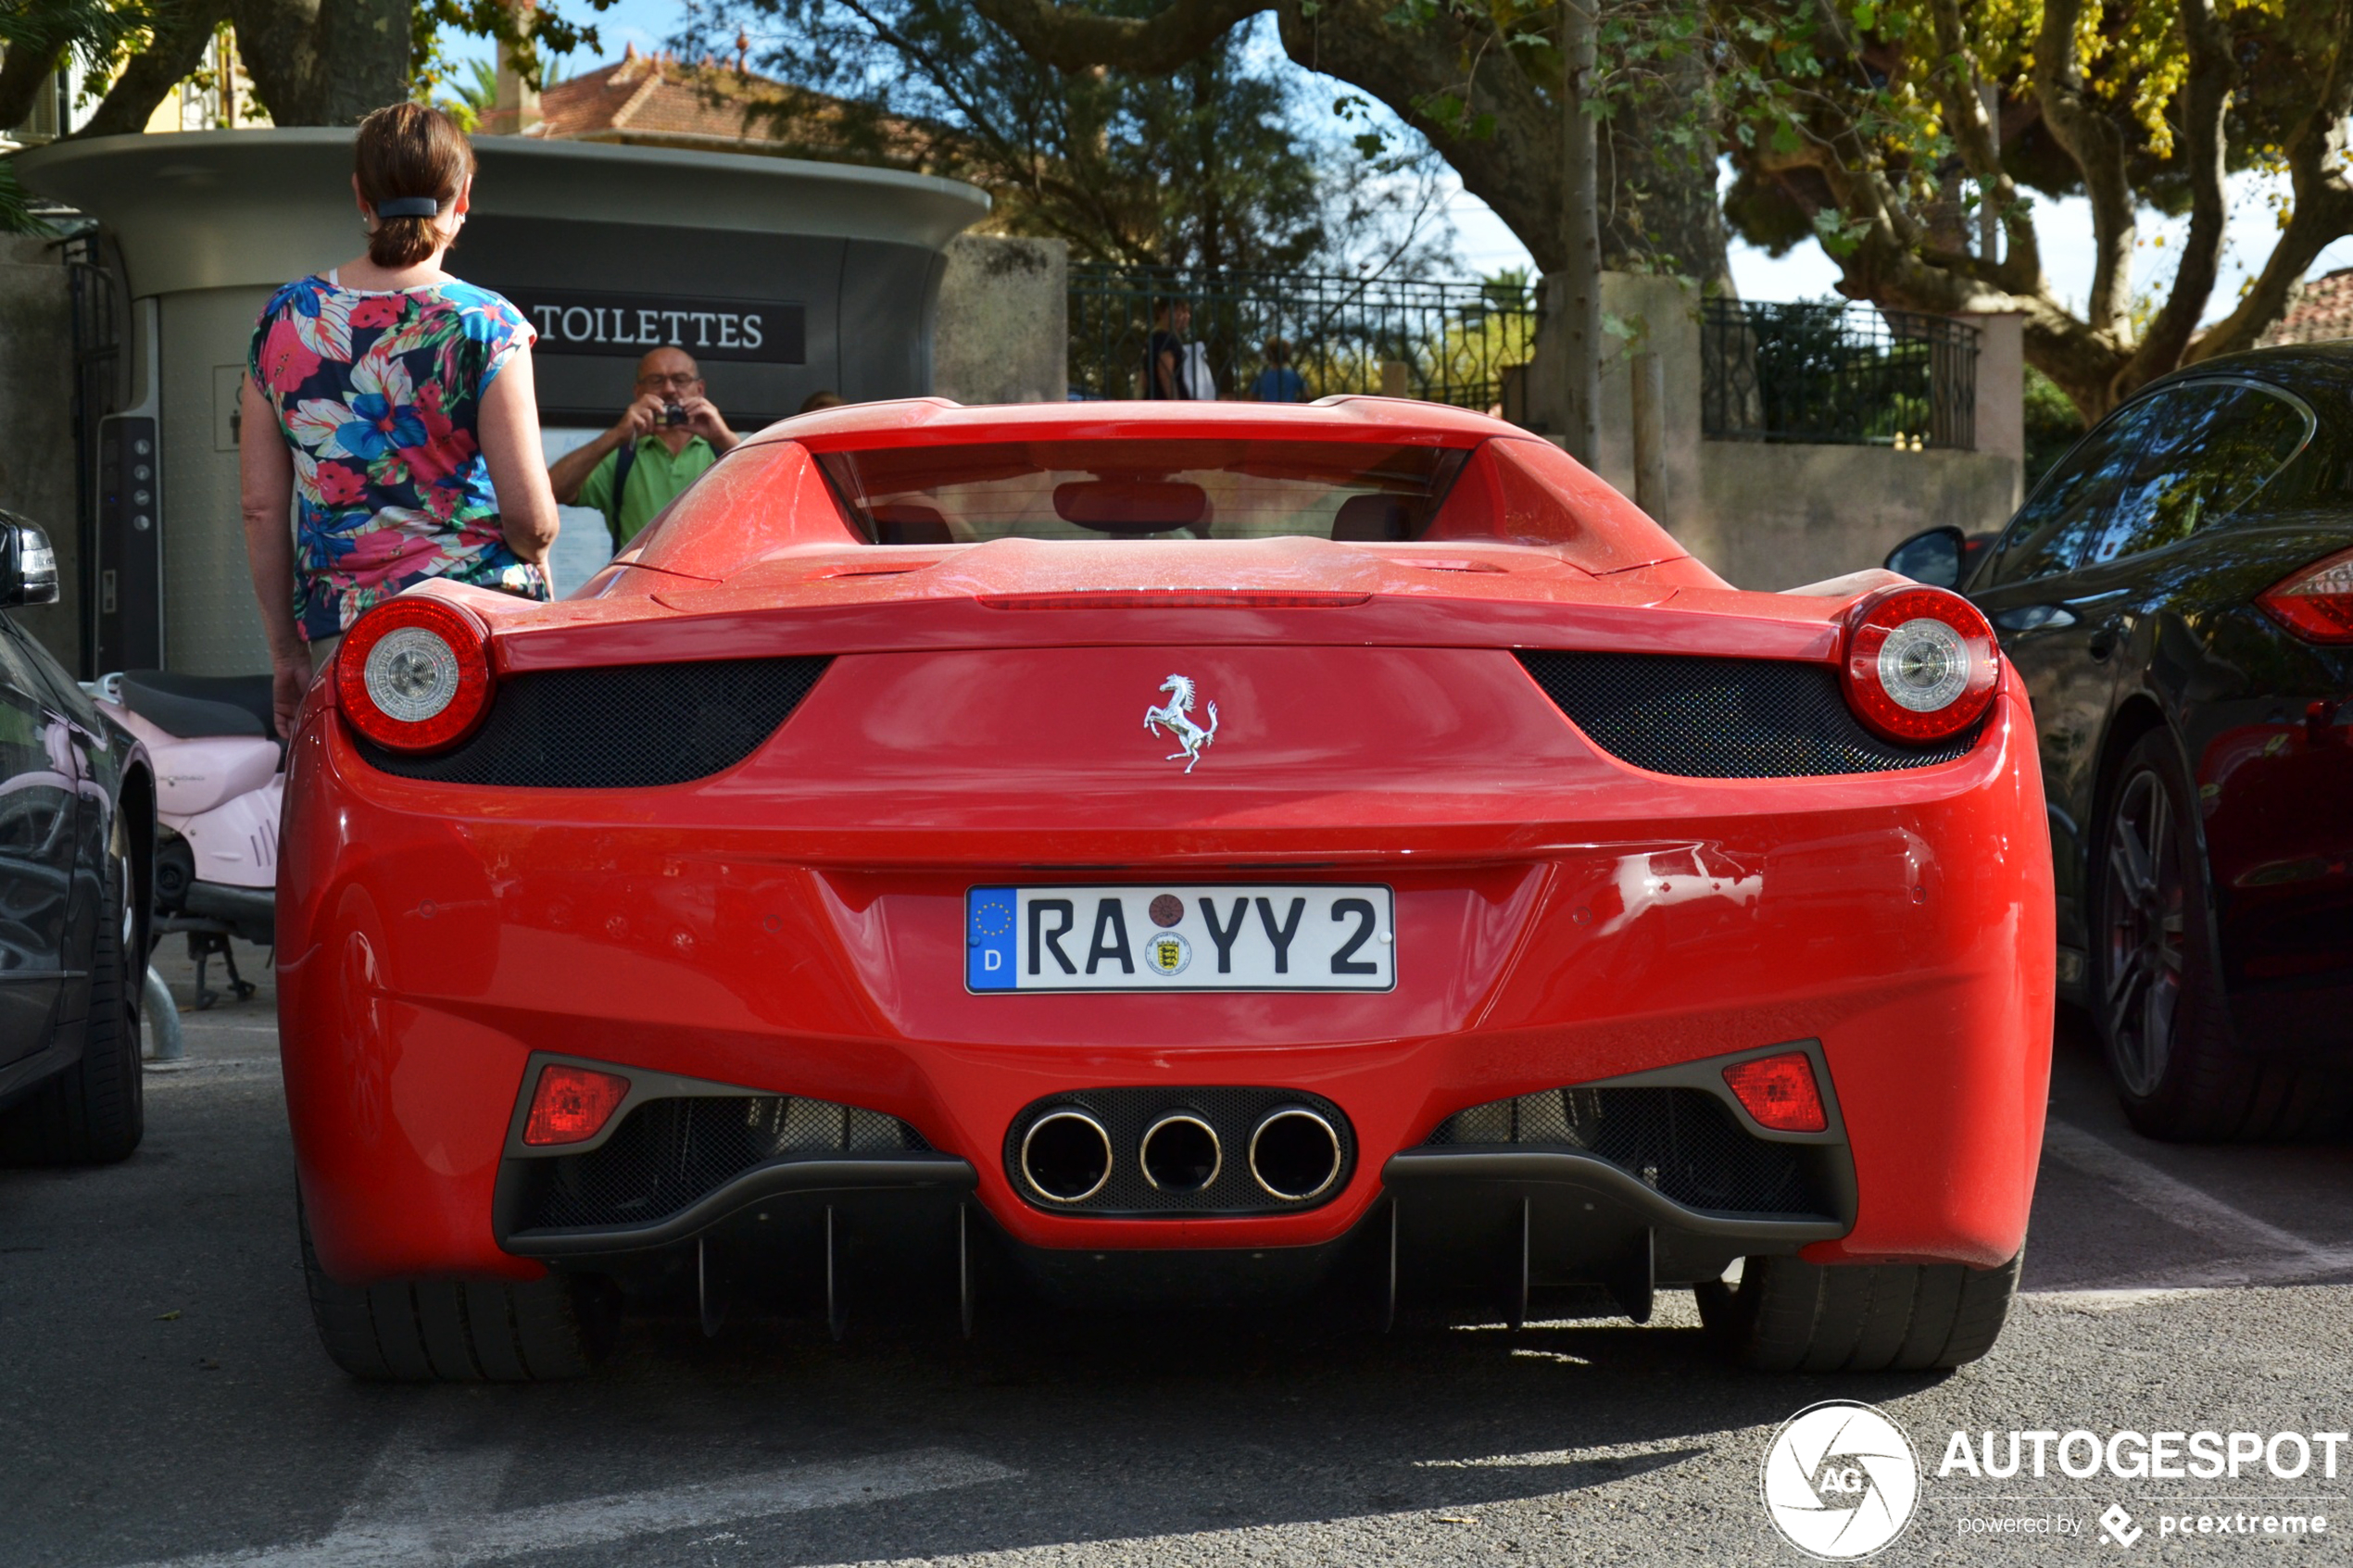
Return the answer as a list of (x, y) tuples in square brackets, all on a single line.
[(2178, 595), (77, 841)]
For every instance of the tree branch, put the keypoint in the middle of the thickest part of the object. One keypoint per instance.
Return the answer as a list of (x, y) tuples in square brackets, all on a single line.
[(2324, 212), (2096, 144), (22, 75), (1888, 267), (183, 28), (1513, 167), (1153, 46), (2205, 98), (2021, 270)]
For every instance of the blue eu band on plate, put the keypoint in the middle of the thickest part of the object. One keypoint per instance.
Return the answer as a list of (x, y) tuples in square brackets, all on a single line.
[(1240, 937)]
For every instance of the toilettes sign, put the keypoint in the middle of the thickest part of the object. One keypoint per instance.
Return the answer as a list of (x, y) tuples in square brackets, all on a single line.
[(576, 321)]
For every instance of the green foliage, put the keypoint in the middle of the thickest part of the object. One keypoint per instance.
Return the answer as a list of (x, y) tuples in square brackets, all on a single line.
[(1199, 169), (17, 216), (1801, 82), (473, 93), (2052, 425), (1762, 212), (95, 36), (552, 34), (1494, 71)]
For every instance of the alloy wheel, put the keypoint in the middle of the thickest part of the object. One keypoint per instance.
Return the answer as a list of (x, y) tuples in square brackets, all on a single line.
[(2141, 908)]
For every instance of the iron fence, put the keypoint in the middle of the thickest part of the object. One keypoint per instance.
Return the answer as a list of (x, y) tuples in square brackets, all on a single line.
[(1836, 374), (1446, 342)]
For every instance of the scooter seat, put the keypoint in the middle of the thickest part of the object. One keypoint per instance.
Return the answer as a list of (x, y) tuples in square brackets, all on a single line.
[(200, 707)]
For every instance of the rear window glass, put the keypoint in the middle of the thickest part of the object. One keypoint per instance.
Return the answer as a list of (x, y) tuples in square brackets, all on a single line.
[(1194, 489)]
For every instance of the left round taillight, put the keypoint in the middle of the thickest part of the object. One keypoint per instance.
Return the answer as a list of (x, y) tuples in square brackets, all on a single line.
[(1921, 664), (413, 674)]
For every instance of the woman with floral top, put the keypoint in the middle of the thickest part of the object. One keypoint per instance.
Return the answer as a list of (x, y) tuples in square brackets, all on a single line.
[(390, 406)]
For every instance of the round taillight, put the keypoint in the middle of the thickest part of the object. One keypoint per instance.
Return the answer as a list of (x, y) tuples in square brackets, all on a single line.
[(1921, 664), (413, 674)]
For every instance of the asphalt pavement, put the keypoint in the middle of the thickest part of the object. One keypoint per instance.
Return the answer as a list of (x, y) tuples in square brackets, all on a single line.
[(163, 1399)]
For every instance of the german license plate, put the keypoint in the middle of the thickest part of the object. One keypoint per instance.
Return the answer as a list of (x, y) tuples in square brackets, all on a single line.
[(1177, 936)]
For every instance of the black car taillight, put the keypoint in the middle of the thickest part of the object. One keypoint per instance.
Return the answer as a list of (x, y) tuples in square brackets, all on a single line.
[(2317, 603)]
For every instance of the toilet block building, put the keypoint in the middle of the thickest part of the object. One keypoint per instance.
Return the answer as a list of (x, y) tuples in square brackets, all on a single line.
[(783, 278)]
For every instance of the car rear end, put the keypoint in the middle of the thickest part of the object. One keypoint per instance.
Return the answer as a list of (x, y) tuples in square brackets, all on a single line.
[(870, 914), (2272, 744)]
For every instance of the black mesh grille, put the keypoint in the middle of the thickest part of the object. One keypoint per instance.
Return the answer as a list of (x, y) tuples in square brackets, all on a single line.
[(1234, 1114), (670, 1152), (1683, 1143), (1722, 718), (619, 727)]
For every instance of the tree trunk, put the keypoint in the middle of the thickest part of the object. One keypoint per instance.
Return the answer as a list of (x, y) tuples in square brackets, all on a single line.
[(1515, 169), (22, 76), (1578, 314), (1503, 142), (278, 42), (183, 33), (363, 45)]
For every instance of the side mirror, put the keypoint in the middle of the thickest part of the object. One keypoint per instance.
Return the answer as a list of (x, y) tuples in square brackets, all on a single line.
[(28, 566), (1934, 557)]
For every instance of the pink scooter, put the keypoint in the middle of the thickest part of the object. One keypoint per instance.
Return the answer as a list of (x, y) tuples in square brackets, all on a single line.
[(219, 777)]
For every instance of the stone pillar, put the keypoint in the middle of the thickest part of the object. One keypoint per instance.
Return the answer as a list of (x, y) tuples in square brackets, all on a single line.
[(1653, 320), (2001, 387), (514, 107), (1650, 431)]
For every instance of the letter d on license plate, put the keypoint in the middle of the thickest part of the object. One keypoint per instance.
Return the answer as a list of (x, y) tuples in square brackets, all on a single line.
[(1178, 936)]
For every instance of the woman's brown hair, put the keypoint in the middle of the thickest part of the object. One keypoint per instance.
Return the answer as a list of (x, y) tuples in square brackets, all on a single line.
[(409, 150)]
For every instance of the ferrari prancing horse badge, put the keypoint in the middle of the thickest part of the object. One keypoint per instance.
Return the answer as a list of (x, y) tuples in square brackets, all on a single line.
[(1175, 716)]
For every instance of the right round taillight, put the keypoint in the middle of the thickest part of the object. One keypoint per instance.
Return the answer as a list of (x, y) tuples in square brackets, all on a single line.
[(413, 674), (1921, 665)]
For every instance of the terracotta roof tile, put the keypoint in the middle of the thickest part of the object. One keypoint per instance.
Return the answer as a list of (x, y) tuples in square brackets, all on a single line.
[(651, 96), (2323, 309)]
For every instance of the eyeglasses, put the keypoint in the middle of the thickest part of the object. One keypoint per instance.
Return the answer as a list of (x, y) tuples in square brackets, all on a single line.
[(678, 382)]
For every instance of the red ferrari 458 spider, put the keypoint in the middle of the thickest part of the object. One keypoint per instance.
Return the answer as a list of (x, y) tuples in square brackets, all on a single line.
[(1134, 853)]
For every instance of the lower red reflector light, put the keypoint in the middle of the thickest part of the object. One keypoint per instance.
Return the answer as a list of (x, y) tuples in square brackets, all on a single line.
[(1779, 1092), (573, 1104)]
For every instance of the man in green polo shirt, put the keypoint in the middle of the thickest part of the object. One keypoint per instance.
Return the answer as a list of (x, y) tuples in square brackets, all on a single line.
[(669, 435)]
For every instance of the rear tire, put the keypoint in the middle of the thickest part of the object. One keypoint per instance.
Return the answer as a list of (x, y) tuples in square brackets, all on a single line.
[(2157, 981), (1787, 1315), (96, 1111), (461, 1331)]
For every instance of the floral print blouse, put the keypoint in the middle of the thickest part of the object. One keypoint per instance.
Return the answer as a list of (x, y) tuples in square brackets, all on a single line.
[(377, 394)]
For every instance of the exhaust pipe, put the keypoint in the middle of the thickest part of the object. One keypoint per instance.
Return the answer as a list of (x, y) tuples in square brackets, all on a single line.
[(1294, 1154), (1180, 1153), (1066, 1156)]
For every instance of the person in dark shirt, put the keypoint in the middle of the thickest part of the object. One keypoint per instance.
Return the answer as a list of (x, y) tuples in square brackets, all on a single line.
[(1164, 354), (1278, 382)]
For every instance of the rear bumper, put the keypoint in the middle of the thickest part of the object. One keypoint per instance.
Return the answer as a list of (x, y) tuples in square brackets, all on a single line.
[(1492, 1217), (904, 1234), (433, 941)]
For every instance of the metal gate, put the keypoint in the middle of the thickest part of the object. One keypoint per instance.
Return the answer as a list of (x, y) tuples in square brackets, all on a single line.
[(1446, 342), (1836, 374)]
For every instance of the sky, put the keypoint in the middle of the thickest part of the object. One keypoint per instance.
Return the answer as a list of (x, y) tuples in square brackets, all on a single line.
[(1485, 245)]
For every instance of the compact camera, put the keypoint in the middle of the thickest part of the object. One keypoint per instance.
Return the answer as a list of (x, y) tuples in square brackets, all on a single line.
[(672, 414)]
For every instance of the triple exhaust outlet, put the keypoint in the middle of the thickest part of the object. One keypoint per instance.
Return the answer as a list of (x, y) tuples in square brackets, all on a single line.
[(1293, 1154)]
